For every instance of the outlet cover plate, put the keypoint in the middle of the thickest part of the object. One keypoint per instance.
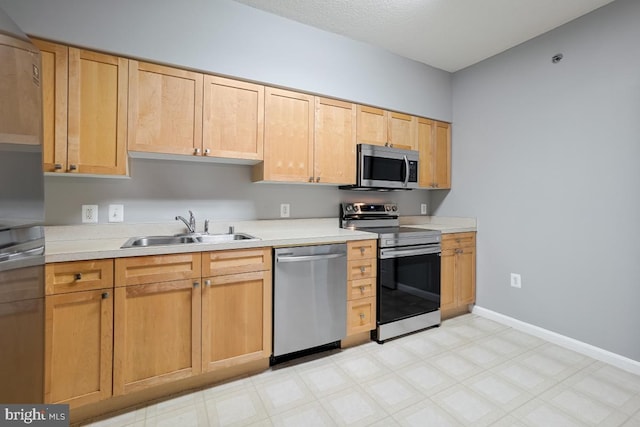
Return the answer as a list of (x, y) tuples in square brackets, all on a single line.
[(285, 210), (89, 214)]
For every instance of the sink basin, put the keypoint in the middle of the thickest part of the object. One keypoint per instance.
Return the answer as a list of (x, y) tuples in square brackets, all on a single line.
[(141, 242)]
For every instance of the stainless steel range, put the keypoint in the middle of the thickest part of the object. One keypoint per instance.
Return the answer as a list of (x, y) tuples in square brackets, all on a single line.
[(408, 280)]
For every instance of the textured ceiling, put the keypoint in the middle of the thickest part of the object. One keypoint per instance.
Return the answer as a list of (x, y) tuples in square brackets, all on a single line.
[(446, 34)]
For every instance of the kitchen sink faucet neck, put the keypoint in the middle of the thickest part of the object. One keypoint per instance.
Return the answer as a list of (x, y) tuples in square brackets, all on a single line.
[(191, 224)]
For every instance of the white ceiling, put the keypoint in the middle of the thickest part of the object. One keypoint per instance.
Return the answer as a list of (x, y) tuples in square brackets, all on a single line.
[(446, 34)]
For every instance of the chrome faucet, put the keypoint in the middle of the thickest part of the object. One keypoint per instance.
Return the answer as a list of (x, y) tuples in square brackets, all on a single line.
[(191, 224)]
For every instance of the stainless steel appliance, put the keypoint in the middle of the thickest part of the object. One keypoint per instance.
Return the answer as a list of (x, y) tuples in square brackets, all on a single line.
[(309, 297), (21, 218), (408, 280), (385, 168)]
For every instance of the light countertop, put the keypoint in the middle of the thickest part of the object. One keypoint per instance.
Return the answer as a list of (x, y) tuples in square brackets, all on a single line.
[(86, 242)]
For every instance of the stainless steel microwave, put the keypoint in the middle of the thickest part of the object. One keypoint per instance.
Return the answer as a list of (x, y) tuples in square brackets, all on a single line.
[(385, 168)]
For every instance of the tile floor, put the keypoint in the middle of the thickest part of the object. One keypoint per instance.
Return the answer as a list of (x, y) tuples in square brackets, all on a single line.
[(469, 372)]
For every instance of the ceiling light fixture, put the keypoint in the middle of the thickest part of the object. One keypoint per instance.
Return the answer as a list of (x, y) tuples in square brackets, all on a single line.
[(557, 58)]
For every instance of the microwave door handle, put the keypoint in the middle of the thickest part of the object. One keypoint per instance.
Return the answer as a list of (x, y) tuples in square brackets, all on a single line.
[(406, 170)]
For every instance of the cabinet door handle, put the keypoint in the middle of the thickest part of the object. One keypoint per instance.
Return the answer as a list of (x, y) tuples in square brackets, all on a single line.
[(318, 179), (196, 151), (196, 284), (105, 295), (207, 282), (207, 152), (73, 168), (77, 276), (310, 179), (57, 167)]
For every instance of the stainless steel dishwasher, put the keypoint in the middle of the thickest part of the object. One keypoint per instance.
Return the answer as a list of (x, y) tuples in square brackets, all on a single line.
[(309, 297)]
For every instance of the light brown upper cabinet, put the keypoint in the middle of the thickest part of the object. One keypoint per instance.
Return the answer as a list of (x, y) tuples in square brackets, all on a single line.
[(381, 127), (165, 109), (288, 137), (334, 148), (434, 145), (403, 131), (233, 118), (372, 125), (85, 110)]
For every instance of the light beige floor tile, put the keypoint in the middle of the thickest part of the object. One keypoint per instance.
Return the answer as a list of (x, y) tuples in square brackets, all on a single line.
[(444, 338), (508, 421), (309, 415), (420, 345), (501, 392), (425, 413), (467, 331), (353, 407), (237, 407), (362, 367), (502, 346), (614, 394), (583, 408), (325, 379), (632, 422), (521, 338), (616, 375), (480, 355), (426, 378), (488, 326), (392, 393), (194, 415), (467, 406), (564, 355), (455, 366), (539, 413), (392, 356), (178, 402), (128, 418), (284, 393), (228, 387), (524, 377), (547, 366)]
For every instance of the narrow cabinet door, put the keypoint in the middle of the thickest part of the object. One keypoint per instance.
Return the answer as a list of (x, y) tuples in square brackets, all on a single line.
[(157, 334), (233, 116), (372, 125), (165, 109), (97, 121), (426, 148), (466, 268), (236, 319), (442, 175), (78, 347), (334, 142), (54, 73), (288, 154), (448, 280), (403, 131)]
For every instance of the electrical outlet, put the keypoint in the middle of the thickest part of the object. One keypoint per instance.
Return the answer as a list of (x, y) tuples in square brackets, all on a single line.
[(516, 280), (285, 210), (90, 214), (423, 209), (116, 213)]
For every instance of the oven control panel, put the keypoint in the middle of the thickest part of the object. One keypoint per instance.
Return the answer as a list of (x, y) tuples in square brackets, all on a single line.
[(365, 209)]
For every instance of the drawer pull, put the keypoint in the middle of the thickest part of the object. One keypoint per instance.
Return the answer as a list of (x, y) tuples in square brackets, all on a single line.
[(105, 295), (77, 276), (362, 289), (362, 249), (207, 282), (362, 316), (362, 269)]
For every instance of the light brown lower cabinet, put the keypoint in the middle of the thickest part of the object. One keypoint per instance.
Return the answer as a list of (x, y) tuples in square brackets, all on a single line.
[(458, 273), (78, 347), (361, 286)]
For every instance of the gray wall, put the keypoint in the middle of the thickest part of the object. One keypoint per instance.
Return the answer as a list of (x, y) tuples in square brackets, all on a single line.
[(229, 38), (546, 157)]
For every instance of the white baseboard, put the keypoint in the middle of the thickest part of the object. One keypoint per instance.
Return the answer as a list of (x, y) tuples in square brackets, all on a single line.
[(597, 353)]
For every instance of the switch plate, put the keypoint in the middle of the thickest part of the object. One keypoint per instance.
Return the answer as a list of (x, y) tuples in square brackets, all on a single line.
[(285, 210), (116, 213), (423, 209), (516, 280), (90, 214)]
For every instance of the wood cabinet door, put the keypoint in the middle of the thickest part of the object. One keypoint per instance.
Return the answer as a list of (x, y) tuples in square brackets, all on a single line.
[(78, 347), (54, 79), (442, 158), (233, 117), (466, 270), (362, 249), (361, 315), (334, 149), (156, 334), (165, 109), (97, 113), (448, 299), (403, 131), (236, 319), (426, 149), (372, 125), (288, 137)]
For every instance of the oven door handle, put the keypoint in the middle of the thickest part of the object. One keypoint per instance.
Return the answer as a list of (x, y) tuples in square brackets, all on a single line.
[(419, 250)]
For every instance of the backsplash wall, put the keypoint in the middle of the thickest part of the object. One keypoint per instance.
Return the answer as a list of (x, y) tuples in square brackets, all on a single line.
[(158, 190)]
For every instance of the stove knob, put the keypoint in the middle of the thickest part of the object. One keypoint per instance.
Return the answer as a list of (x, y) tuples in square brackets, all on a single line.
[(387, 208), (357, 208), (394, 208), (349, 208)]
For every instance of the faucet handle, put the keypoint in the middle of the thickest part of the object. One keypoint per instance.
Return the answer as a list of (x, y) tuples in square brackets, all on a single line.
[(232, 229), (206, 226)]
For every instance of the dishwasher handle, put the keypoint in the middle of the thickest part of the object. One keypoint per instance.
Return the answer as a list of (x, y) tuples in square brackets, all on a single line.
[(307, 258)]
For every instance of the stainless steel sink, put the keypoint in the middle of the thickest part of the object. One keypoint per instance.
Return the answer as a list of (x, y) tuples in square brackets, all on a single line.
[(139, 242)]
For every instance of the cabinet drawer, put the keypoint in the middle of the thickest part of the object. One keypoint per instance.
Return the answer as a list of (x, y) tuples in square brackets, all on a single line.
[(458, 240), (361, 269), (361, 288), (157, 268), (361, 249), (361, 315), (220, 263), (63, 277)]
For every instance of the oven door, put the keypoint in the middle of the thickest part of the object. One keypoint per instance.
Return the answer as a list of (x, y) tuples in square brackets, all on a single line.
[(408, 282)]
